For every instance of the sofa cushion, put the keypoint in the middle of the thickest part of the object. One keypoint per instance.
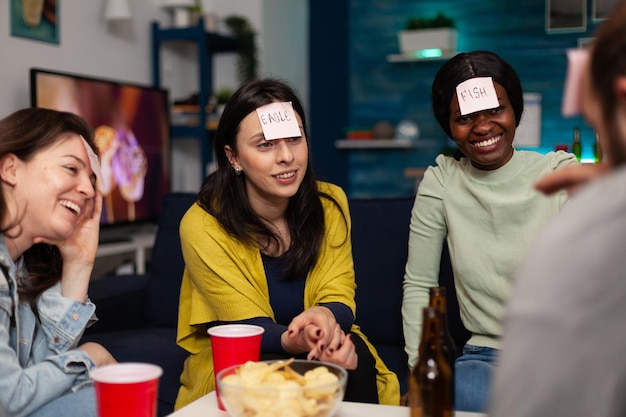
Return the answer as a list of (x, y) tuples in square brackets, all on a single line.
[(138, 314), (380, 230), (120, 302), (459, 333), (150, 345), (167, 265)]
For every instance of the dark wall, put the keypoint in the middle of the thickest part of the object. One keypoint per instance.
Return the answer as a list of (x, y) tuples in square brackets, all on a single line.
[(378, 90), (328, 90)]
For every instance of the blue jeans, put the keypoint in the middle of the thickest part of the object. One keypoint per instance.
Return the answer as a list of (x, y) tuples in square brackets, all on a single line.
[(472, 378), (81, 403)]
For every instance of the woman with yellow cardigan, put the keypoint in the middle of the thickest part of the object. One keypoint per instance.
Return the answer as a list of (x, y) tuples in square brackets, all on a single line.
[(268, 244)]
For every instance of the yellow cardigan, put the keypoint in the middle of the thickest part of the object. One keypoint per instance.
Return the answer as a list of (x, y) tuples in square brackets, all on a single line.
[(224, 280)]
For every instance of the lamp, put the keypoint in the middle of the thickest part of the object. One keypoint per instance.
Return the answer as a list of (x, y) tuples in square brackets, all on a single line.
[(117, 10), (181, 11)]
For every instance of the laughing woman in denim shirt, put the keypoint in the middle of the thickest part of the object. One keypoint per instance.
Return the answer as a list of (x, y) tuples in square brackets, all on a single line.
[(49, 222)]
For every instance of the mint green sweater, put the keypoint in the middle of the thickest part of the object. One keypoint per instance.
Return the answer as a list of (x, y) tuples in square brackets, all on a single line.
[(489, 219)]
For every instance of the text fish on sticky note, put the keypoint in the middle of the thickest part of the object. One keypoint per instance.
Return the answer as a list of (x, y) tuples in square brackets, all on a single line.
[(476, 94), (278, 120)]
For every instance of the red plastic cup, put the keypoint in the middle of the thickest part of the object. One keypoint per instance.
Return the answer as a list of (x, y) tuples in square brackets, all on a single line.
[(234, 344), (561, 147), (127, 389)]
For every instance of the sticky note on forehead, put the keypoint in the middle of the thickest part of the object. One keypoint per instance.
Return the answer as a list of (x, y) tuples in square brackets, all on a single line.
[(278, 120), (577, 61), (476, 94), (93, 159)]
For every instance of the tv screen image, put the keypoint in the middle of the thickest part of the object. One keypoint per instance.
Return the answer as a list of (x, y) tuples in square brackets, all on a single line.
[(131, 126)]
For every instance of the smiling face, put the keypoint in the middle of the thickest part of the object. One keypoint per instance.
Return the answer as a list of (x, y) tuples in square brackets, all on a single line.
[(485, 137), (273, 169), (53, 189)]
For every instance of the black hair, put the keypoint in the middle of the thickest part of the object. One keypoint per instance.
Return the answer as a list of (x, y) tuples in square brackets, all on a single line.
[(465, 66), (608, 62)]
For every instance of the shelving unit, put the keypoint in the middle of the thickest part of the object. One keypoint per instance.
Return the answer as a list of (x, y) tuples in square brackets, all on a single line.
[(373, 144), (402, 59), (208, 44), (385, 144), (139, 244)]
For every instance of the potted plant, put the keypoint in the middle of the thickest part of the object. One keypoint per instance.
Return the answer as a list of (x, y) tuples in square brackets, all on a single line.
[(223, 94), (242, 30), (428, 36)]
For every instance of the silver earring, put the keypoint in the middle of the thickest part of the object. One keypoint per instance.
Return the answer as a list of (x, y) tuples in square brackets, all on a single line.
[(238, 171)]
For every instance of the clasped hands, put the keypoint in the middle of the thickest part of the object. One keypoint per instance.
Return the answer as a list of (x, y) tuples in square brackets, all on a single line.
[(316, 332)]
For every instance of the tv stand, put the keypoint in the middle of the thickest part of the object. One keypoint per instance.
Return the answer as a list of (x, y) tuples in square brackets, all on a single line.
[(135, 240), (106, 239)]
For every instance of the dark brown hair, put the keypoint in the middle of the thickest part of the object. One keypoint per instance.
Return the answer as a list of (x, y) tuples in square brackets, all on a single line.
[(608, 62), (465, 66), (24, 133), (223, 193)]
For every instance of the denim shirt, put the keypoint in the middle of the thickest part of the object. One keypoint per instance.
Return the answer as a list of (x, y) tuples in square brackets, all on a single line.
[(39, 361)]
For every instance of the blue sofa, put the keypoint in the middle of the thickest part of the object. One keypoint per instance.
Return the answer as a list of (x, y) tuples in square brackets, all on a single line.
[(380, 231), (138, 313)]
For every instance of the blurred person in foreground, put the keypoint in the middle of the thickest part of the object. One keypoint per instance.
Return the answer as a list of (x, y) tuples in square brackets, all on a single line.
[(563, 344)]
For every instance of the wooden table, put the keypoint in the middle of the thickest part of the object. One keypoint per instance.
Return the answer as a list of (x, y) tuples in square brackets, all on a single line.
[(207, 407)]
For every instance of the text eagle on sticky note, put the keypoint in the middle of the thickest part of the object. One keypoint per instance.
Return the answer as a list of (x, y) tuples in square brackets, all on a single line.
[(476, 94), (278, 120)]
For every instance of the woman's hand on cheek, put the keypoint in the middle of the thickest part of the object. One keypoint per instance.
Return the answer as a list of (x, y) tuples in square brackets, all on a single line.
[(82, 245), (79, 252)]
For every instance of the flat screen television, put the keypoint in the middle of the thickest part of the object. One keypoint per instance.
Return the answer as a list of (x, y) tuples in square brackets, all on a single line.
[(131, 125)]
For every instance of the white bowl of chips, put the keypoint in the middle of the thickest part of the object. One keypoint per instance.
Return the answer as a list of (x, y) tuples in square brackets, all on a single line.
[(294, 388)]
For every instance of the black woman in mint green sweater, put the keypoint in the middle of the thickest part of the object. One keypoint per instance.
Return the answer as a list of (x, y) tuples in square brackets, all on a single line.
[(483, 204)]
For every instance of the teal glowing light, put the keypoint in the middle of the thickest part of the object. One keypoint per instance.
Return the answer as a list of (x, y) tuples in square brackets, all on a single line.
[(429, 53)]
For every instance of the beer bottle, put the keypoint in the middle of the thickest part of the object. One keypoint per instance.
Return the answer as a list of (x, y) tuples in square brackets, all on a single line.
[(577, 147), (597, 150), (430, 381), (437, 299)]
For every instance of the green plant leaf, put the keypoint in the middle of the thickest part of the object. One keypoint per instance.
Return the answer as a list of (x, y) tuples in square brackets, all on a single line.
[(243, 31), (439, 21)]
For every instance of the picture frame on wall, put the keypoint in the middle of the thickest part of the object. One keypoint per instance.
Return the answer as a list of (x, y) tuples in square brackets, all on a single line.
[(602, 8), (35, 19), (566, 16), (585, 42)]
